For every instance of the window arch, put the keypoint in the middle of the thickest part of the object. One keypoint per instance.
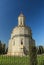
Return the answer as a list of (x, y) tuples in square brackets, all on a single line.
[(20, 21), (21, 42)]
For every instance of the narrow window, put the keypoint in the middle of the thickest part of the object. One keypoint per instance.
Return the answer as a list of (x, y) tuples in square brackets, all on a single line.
[(21, 23), (21, 42)]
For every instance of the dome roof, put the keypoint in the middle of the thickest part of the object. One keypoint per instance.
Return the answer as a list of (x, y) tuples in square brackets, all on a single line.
[(21, 30)]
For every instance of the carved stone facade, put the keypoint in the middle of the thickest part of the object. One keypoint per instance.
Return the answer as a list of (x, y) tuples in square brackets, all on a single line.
[(21, 37)]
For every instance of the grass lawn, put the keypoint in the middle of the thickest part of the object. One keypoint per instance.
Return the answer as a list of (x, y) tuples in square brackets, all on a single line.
[(12, 60)]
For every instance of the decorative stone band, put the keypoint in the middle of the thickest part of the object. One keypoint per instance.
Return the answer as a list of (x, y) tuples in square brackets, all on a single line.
[(20, 35)]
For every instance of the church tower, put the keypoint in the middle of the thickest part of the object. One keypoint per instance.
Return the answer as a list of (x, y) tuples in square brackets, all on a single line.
[(20, 39)]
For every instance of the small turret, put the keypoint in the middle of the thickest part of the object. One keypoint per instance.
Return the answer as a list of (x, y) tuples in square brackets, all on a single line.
[(21, 20)]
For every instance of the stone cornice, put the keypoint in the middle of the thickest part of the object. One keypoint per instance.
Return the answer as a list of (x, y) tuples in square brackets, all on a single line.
[(21, 35)]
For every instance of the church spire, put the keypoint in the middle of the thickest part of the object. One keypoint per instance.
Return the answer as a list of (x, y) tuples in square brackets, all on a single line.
[(21, 19)]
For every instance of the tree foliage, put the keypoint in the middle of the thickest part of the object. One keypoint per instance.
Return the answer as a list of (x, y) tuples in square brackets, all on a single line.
[(33, 55), (2, 48), (40, 50), (26, 52)]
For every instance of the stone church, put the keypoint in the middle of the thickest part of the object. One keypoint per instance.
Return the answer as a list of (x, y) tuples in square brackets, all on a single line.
[(20, 39)]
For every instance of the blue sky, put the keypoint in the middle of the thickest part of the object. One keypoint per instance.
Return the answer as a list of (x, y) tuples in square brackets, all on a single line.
[(33, 11)]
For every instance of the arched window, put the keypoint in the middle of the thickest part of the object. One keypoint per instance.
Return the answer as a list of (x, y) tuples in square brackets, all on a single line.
[(21, 42), (21, 21)]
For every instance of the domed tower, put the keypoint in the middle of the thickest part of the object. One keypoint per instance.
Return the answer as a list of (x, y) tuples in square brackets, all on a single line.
[(21, 37)]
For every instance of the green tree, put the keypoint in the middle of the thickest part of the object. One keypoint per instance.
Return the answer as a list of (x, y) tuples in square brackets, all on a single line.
[(26, 52), (40, 50), (2, 48), (32, 55)]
